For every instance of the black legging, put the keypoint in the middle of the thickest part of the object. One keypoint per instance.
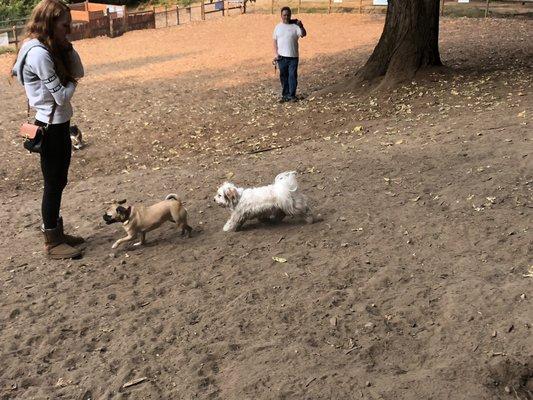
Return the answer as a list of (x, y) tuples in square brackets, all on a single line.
[(55, 161)]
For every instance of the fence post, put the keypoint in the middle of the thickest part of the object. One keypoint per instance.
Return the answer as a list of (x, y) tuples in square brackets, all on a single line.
[(360, 6), (112, 32), (329, 7), (125, 12), (487, 9), (442, 7), (15, 36), (299, 4), (202, 9), (223, 5), (177, 14), (272, 7)]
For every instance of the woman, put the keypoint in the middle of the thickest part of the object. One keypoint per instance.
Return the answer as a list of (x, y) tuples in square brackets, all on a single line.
[(48, 67)]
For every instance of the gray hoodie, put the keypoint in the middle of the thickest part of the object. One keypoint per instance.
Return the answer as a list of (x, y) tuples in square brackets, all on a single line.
[(35, 70)]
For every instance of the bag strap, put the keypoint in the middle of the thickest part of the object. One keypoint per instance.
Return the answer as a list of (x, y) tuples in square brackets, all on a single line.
[(22, 62), (51, 114)]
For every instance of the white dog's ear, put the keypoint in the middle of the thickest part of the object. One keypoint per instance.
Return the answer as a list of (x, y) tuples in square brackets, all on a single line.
[(288, 179), (232, 195)]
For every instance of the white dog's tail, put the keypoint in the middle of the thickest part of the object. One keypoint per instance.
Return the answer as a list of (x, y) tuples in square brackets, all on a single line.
[(287, 179), (173, 196)]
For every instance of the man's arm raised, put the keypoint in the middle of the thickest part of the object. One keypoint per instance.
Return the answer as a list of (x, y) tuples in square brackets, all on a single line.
[(304, 32)]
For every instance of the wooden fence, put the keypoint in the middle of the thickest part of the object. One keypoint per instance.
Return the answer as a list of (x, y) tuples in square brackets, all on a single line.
[(474, 8), (89, 23), (139, 20), (107, 25), (13, 34), (176, 15), (101, 25)]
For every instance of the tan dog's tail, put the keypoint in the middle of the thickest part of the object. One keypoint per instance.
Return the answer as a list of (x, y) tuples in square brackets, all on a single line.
[(173, 196), (179, 214)]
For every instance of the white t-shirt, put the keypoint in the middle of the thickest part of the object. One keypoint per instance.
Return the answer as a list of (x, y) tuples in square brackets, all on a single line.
[(287, 35)]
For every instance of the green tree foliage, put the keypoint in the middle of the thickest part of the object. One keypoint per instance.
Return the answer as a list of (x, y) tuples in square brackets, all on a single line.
[(14, 9)]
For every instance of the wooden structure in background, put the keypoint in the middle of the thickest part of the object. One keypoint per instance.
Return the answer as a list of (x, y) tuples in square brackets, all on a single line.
[(87, 11)]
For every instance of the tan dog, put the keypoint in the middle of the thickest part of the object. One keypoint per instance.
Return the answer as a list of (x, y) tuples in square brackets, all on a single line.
[(143, 219)]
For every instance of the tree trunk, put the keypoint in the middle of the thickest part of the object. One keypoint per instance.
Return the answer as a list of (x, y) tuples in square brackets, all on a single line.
[(410, 41)]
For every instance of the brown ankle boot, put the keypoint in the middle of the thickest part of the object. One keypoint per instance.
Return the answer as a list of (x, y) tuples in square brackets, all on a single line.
[(69, 239), (55, 246)]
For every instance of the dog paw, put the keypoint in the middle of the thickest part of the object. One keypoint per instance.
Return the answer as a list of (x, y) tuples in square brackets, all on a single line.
[(228, 228), (115, 245)]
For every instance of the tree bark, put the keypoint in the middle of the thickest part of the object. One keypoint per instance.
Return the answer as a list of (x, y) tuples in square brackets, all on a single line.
[(410, 41)]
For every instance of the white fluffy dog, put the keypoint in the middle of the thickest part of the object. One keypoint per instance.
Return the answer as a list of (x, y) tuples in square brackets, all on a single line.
[(267, 203)]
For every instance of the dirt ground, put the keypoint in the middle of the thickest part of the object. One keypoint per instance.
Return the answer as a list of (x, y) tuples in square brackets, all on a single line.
[(414, 286)]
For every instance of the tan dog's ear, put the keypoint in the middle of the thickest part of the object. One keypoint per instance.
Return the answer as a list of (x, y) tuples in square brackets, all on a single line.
[(124, 213), (121, 201)]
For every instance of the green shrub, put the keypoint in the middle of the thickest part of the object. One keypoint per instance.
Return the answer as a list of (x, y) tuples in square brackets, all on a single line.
[(15, 9)]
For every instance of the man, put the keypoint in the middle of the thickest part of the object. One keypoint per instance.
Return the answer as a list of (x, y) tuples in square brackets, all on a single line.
[(286, 35)]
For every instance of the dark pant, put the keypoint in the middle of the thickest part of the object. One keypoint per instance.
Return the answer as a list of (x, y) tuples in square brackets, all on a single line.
[(55, 161), (288, 75)]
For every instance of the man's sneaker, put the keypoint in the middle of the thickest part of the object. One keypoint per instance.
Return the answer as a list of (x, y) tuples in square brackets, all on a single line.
[(284, 100), (293, 99)]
